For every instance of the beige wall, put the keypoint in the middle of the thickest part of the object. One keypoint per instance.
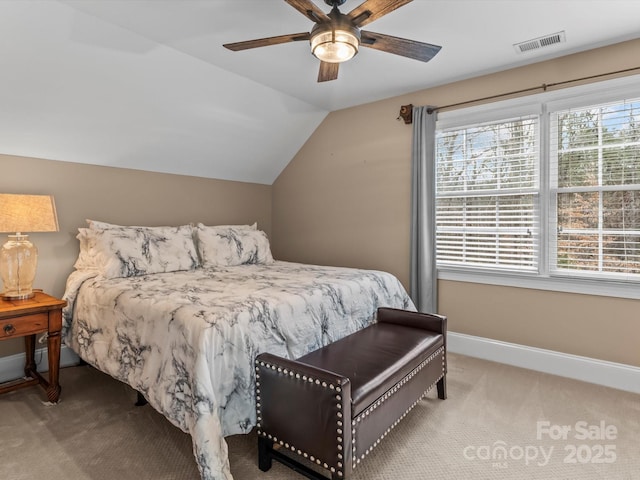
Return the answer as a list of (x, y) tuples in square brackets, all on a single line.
[(345, 200), (122, 196), (599, 327), (342, 200)]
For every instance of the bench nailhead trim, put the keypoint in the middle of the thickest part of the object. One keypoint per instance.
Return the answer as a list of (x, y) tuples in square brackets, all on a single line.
[(386, 396), (397, 387), (305, 378)]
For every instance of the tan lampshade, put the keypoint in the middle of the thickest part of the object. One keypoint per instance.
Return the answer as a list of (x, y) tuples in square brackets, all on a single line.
[(27, 213)]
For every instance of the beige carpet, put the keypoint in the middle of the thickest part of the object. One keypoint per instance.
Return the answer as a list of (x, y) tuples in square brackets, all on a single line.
[(96, 433)]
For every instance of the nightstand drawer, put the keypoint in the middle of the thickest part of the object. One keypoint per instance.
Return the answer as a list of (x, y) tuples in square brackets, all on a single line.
[(24, 325)]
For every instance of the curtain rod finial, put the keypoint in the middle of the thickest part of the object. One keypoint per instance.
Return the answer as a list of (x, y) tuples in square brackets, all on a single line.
[(406, 113)]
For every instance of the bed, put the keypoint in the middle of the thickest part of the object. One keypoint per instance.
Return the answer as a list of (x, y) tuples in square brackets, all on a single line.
[(180, 313)]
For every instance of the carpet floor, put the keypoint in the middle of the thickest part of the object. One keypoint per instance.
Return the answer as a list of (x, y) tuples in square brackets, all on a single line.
[(499, 422)]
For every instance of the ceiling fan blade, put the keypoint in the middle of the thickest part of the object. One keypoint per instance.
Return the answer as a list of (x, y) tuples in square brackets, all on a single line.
[(399, 46), (265, 42), (328, 71), (309, 10), (372, 10)]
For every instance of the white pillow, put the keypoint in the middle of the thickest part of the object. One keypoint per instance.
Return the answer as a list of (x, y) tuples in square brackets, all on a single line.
[(228, 246)]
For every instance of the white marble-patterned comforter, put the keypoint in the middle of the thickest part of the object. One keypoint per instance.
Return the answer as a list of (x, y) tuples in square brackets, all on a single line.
[(187, 340)]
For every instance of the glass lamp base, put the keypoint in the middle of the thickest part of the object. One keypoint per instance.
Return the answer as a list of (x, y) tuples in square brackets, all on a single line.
[(18, 262), (17, 296)]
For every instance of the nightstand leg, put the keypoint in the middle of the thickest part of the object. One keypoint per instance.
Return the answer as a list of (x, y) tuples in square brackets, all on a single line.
[(53, 347), (30, 351)]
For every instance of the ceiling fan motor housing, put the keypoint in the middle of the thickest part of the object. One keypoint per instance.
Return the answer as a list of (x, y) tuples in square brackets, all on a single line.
[(337, 40)]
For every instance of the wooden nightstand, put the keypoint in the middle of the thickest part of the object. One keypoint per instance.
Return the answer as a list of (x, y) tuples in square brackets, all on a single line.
[(27, 318)]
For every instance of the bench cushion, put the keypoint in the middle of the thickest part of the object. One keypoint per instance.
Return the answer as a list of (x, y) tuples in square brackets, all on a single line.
[(372, 371)]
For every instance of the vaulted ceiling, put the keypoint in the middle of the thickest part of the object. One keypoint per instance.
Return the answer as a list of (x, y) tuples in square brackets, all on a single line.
[(146, 84)]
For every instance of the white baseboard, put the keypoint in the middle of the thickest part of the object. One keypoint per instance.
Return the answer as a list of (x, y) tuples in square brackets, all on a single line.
[(609, 374), (601, 372), (12, 367)]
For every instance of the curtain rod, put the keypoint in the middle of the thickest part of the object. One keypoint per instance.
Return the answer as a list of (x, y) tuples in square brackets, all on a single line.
[(406, 111)]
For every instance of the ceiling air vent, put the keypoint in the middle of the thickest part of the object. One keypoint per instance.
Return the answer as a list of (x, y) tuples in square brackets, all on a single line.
[(541, 42)]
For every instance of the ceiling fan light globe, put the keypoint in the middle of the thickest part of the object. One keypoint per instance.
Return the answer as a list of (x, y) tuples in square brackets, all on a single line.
[(334, 46)]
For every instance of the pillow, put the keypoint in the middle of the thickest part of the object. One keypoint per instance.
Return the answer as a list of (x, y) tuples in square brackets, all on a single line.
[(254, 226), (132, 251), (87, 258), (228, 246), (96, 225)]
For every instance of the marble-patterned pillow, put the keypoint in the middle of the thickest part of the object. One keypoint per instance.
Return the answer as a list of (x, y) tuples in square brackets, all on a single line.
[(97, 225), (228, 246), (133, 251)]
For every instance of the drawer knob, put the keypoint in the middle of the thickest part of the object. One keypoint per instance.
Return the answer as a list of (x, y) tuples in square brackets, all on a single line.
[(9, 329)]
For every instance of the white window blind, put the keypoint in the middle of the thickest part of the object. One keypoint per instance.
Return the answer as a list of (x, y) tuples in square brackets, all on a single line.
[(487, 192), (595, 190)]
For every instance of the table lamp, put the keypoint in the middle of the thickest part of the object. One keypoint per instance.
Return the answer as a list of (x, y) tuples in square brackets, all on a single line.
[(18, 256)]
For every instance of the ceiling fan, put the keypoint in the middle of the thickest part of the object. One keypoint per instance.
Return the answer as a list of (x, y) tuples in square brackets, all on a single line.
[(336, 37)]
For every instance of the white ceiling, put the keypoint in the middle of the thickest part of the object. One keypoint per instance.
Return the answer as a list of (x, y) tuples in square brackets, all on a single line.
[(146, 84)]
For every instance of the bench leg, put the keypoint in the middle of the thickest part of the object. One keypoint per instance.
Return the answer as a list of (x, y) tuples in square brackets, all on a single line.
[(442, 388), (266, 455), (265, 447), (140, 400)]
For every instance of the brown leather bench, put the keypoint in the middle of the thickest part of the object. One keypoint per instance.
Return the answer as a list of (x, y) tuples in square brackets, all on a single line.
[(333, 406)]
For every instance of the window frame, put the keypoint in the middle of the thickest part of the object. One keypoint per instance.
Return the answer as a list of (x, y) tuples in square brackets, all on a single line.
[(541, 104)]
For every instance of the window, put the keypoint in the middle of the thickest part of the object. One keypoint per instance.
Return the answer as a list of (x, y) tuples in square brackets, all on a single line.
[(595, 182), (486, 195), (548, 189)]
